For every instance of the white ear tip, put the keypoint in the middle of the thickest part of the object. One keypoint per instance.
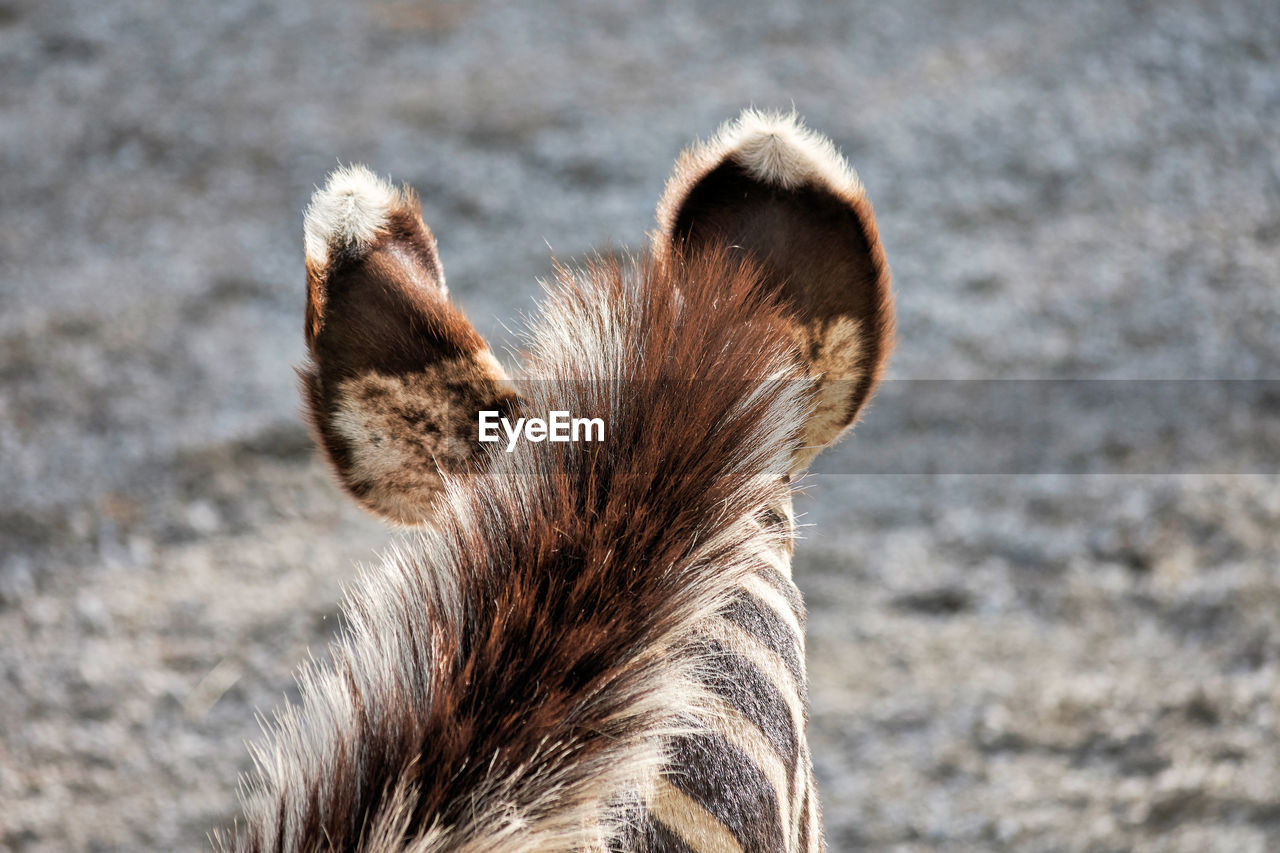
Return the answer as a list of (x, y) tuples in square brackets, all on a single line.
[(776, 148), (349, 212)]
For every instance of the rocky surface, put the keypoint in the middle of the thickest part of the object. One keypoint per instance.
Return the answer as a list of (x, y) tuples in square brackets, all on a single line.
[(1030, 661)]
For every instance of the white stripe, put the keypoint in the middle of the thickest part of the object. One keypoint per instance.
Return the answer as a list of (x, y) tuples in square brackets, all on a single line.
[(815, 830), (688, 819), (803, 782), (778, 561)]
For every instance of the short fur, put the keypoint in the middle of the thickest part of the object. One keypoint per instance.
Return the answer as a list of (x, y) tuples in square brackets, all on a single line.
[(396, 373), (773, 189), (349, 213)]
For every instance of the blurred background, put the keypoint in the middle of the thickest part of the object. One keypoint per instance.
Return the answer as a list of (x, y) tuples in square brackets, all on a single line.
[(1030, 660)]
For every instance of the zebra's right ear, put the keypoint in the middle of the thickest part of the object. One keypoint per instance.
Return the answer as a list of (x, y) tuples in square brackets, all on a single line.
[(781, 195), (397, 374)]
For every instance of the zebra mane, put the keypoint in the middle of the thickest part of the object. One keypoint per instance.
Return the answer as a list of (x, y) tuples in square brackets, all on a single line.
[(505, 677)]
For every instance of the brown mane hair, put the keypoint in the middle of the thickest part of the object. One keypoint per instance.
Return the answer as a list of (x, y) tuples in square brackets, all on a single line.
[(556, 580)]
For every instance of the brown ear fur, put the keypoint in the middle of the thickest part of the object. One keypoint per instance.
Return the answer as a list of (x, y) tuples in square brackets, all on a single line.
[(397, 373), (780, 192)]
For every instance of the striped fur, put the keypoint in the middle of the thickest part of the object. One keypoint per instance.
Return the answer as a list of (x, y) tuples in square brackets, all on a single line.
[(592, 647)]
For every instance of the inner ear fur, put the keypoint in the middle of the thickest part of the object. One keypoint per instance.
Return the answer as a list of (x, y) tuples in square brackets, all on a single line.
[(770, 187), (396, 373)]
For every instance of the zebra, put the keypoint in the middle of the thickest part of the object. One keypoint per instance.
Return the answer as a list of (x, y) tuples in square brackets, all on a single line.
[(580, 646)]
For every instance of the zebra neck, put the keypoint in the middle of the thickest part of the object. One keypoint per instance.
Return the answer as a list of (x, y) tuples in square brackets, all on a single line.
[(742, 779)]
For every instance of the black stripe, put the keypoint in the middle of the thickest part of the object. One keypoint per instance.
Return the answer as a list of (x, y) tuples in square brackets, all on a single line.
[(757, 618), (742, 685), (787, 590), (657, 837), (727, 783)]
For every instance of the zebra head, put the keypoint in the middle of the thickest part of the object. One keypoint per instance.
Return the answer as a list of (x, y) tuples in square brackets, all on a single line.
[(580, 645)]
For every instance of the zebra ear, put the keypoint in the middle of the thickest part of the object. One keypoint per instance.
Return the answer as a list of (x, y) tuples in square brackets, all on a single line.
[(770, 187), (396, 373)]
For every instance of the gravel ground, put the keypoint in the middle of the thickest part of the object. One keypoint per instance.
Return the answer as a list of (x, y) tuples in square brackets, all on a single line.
[(1035, 660)]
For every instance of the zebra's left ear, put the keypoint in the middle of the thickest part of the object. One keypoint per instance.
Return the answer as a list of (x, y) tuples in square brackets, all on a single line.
[(397, 374), (770, 187)]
